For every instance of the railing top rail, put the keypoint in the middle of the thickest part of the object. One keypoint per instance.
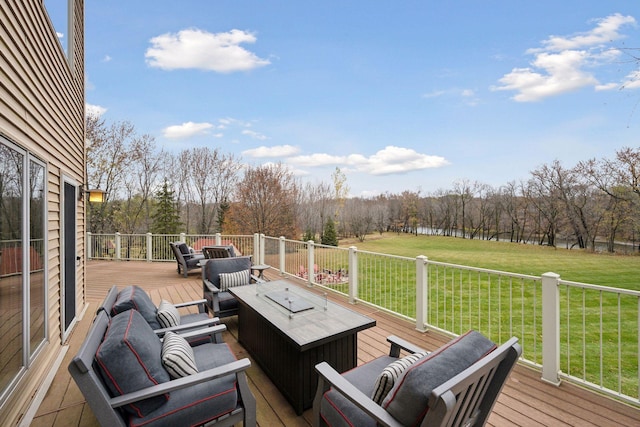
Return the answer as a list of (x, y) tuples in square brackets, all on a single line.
[(485, 270), (610, 289), (404, 258)]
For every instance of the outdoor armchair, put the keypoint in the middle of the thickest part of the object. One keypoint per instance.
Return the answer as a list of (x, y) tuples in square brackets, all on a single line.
[(130, 376), (162, 318), (218, 275), (186, 259), (221, 251), (455, 385)]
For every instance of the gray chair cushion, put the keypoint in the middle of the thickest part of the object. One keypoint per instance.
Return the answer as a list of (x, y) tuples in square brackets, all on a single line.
[(201, 403), (129, 360), (184, 249), (408, 399), (227, 301), (336, 410), (134, 297)]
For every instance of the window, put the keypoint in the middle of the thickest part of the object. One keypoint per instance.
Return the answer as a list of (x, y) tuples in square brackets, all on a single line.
[(23, 307)]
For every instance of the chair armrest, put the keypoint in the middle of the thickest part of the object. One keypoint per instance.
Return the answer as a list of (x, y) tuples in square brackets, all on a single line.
[(398, 344), (212, 330), (190, 303), (188, 326), (200, 377), (210, 286), (349, 391)]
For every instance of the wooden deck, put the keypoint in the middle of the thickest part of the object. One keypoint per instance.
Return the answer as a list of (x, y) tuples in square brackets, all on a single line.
[(525, 400)]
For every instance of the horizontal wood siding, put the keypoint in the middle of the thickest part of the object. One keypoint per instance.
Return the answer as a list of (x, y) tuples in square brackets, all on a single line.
[(42, 108)]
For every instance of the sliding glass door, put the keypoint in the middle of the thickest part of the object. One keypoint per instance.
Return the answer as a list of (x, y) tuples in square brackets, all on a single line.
[(23, 311)]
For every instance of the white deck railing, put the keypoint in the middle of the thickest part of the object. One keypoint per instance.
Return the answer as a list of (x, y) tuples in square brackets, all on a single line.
[(571, 331)]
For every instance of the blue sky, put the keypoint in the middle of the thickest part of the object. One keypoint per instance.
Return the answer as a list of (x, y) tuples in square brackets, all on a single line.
[(400, 95)]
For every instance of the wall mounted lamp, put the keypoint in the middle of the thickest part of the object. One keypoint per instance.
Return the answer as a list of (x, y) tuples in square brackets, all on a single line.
[(95, 195)]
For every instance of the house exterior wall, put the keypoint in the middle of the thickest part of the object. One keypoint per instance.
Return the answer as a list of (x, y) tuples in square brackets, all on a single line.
[(42, 106)]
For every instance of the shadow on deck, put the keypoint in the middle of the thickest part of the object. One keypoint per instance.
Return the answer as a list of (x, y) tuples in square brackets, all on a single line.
[(525, 400)]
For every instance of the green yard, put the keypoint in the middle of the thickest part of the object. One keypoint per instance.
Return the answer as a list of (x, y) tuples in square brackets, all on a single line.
[(621, 271)]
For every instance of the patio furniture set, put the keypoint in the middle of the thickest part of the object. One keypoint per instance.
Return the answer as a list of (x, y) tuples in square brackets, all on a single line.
[(143, 364)]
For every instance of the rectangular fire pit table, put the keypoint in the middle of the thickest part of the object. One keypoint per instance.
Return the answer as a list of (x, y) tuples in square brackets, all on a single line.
[(288, 330)]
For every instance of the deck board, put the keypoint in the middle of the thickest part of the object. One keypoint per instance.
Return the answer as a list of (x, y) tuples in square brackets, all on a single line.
[(525, 400)]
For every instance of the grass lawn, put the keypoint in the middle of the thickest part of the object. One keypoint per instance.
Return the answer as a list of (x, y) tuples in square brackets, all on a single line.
[(599, 331), (619, 271)]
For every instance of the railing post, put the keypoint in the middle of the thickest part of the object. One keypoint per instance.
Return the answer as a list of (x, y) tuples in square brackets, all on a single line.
[(149, 247), (311, 277), (261, 248), (89, 243), (421, 292), (218, 239), (183, 237), (118, 245), (550, 328), (282, 255), (256, 249), (353, 274)]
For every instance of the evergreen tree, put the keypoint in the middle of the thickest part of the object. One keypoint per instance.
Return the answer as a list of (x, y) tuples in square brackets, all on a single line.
[(329, 235), (308, 235), (165, 219)]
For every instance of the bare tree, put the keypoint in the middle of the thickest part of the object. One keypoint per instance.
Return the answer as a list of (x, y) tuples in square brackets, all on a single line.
[(266, 202), (359, 217), (107, 160), (213, 177)]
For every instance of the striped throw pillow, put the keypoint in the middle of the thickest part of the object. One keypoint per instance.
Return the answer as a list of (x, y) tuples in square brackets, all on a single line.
[(177, 356), (389, 375), (167, 314), (229, 280)]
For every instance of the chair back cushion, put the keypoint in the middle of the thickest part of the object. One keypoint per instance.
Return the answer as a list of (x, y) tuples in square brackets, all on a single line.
[(229, 280), (129, 359), (184, 249), (408, 399), (215, 266), (134, 297), (222, 251)]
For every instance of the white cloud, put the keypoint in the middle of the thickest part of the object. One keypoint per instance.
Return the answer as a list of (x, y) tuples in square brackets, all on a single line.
[(606, 31), (94, 110), (106, 58), (59, 35), (194, 48), (434, 94), (276, 151), (390, 160), (632, 81), (561, 64), (187, 130), (398, 160), (254, 134)]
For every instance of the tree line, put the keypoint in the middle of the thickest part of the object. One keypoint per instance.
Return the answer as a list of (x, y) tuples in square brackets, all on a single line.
[(204, 191)]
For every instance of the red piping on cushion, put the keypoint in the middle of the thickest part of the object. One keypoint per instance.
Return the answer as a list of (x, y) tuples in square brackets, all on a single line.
[(133, 350), (132, 424)]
